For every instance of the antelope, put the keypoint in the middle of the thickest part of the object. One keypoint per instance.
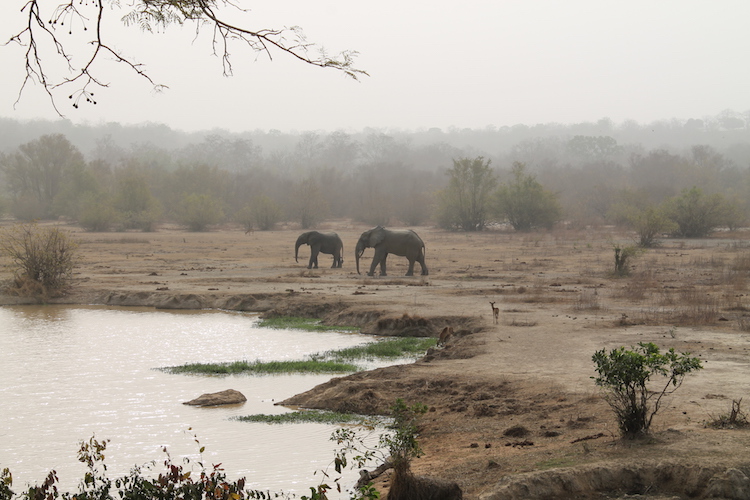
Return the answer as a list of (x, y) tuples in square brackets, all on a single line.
[(445, 335), (495, 311)]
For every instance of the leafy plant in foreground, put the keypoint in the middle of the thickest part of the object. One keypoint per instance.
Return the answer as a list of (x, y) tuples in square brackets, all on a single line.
[(624, 374), (44, 258)]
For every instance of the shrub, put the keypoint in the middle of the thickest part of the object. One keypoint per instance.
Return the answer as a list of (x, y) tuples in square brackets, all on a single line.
[(524, 202), (266, 212), (465, 203), (649, 223), (625, 375), (696, 214), (198, 211), (45, 258)]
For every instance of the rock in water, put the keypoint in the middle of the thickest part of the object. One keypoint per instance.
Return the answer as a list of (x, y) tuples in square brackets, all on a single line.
[(228, 397)]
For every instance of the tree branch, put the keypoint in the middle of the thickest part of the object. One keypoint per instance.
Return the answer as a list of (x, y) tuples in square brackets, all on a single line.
[(148, 15)]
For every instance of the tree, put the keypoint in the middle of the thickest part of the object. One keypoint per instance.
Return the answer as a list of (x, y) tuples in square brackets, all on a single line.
[(625, 375), (87, 42), (266, 212), (525, 204), (136, 205), (198, 211), (695, 213), (308, 206), (36, 171), (465, 203)]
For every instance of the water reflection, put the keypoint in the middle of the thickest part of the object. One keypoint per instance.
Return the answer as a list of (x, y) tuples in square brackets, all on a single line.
[(69, 373)]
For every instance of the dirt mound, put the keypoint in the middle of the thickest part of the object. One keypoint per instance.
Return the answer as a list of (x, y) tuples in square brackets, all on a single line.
[(596, 481)]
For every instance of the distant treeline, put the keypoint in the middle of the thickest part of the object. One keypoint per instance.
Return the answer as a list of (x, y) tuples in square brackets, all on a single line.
[(114, 177)]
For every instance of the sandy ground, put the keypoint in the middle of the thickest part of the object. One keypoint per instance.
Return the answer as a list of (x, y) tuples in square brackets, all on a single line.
[(512, 400)]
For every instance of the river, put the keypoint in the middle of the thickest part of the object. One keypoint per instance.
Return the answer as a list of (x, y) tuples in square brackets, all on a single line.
[(70, 373)]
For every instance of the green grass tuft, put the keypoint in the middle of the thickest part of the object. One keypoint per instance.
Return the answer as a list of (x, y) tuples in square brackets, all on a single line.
[(398, 347), (308, 324), (305, 416), (263, 368)]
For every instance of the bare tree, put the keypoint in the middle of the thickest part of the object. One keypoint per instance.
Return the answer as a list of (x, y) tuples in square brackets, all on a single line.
[(46, 20)]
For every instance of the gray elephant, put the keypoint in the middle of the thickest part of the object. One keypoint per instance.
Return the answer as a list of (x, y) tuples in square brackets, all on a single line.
[(403, 242), (328, 243)]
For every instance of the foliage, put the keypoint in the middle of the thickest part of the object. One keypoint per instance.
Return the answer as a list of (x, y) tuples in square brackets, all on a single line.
[(6, 480), (386, 348), (136, 206), (266, 212), (263, 368), (34, 173), (591, 148), (622, 257), (625, 376), (308, 205), (402, 442), (464, 204), (198, 211), (71, 64), (45, 257), (649, 223), (305, 416), (695, 213), (97, 214), (525, 204), (185, 481)]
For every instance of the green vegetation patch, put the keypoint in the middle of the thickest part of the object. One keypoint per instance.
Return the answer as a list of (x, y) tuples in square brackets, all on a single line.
[(387, 348), (306, 416), (334, 361), (263, 368), (308, 324)]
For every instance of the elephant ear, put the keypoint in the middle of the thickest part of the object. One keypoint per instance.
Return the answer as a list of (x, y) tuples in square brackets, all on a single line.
[(377, 236)]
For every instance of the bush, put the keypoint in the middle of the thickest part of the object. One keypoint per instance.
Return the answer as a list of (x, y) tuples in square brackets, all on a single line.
[(696, 214), (266, 212), (45, 258), (625, 374), (198, 211), (649, 223), (97, 214), (525, 204), (465, 203), (188, 481)]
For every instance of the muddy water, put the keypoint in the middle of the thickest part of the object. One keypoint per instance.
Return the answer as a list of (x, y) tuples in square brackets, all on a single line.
[(67, 374)]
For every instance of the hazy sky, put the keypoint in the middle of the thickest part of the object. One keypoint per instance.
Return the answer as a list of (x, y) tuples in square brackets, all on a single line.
[(468, 64)]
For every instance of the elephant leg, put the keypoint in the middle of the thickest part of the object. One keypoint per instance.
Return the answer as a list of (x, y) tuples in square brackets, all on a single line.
[(313, 258), (378, 260), (410, 272), (424, 268)]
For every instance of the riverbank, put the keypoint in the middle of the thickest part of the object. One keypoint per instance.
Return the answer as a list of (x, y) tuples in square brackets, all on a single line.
[(509, 401)]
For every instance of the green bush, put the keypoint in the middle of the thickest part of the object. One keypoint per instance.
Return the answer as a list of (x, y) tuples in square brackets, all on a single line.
[(97, 214), (696, 214), (198, 211), (525, 204), (625, 376), (465, 203), (649, 223)]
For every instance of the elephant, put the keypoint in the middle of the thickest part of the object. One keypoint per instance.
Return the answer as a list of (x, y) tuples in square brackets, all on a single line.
[(403, 242), (329, 243)]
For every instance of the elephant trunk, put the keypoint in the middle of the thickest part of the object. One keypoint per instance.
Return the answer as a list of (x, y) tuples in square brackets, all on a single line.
[(358, 253), (300, 241)]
